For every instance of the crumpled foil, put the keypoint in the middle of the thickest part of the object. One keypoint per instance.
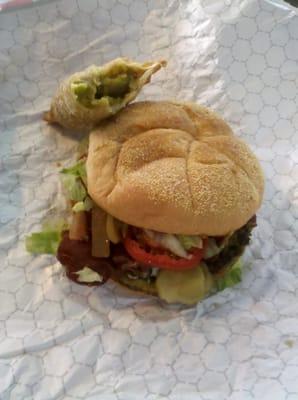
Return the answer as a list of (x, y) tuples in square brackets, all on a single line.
[(59, 340)]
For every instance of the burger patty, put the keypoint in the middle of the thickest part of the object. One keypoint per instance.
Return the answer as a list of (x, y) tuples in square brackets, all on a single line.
[(74, 255)]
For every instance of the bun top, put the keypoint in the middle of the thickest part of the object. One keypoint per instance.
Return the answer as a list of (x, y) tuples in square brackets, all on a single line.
[(175, 168)]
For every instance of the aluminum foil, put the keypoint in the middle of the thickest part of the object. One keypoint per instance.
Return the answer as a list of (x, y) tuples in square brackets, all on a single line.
[(59, 340)]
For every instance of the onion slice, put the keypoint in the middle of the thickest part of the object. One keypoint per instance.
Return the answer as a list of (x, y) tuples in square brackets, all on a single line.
[(168, 241)]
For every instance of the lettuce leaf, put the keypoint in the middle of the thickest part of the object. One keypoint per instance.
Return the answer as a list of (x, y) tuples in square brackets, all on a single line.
[(85, 205), (74, 187), (45, 242), (74, 180), (78, 170), (189, 241), (231, 277)]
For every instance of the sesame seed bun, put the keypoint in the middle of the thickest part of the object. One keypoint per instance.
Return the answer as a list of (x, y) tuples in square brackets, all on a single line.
[(173, 167)]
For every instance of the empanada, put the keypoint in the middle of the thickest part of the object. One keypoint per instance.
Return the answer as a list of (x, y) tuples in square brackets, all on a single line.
[(87, 97)]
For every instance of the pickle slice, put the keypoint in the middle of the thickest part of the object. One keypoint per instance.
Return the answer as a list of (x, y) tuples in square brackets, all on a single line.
[(187, 287), (140, 285)]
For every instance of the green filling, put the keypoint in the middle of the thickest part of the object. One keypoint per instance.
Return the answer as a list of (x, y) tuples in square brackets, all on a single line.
[(104, 89), (113, 87), (84, 92)]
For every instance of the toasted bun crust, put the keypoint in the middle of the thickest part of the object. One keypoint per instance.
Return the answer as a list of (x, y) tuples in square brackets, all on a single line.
[(175, 168)]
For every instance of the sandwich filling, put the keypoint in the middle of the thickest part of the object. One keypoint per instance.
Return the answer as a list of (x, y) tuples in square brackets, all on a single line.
[(95, 247), (144, 264)]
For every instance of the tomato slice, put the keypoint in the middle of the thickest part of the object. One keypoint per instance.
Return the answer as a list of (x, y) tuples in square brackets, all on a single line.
[(162, 261)]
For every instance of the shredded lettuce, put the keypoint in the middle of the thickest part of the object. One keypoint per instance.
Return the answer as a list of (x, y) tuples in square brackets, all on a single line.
[(74, 187), (78, 170), (189, 241), (231, 277), (46, 242), (74, 181), (85, 205)]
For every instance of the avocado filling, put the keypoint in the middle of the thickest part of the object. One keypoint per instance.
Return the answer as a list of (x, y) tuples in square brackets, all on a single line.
[(107, 88)]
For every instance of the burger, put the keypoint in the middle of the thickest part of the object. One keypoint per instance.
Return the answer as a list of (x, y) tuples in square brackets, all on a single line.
[(163, 202)]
